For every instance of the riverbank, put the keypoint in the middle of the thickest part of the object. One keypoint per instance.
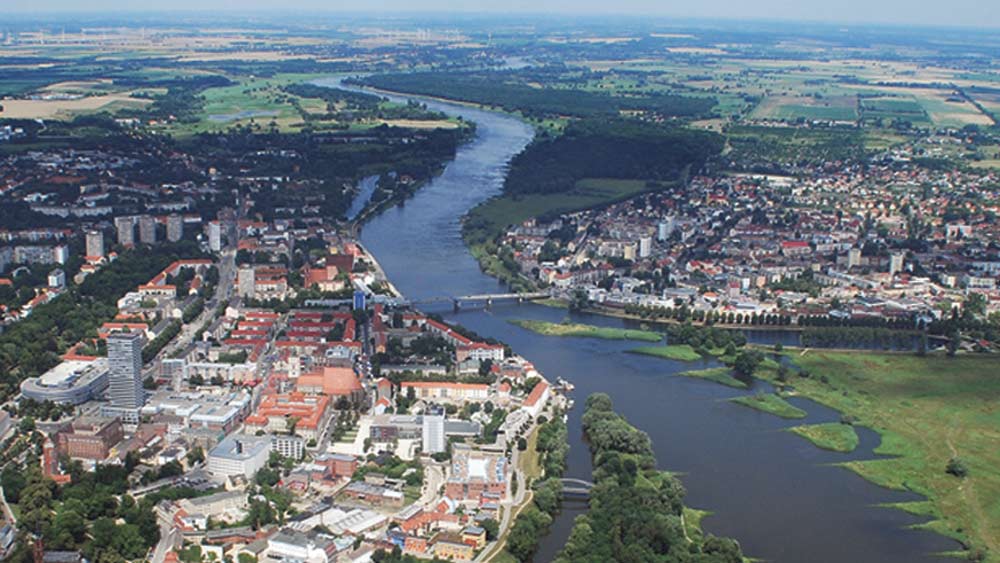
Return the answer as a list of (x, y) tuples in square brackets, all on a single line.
[(933, 414), (928, 411)]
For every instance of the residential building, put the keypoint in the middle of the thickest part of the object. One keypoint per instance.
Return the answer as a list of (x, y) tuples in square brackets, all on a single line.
[(125, 227), (147, 229), (95, 244), (175, 227), (433, 438)]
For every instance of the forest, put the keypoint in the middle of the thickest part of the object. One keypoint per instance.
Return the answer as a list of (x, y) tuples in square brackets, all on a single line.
[(609, 148), (506, 90), (636, 511)]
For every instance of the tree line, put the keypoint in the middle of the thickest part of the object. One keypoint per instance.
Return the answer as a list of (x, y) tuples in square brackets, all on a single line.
[(505, 89)]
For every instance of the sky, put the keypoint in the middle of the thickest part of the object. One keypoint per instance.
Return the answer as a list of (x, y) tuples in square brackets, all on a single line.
[(972, 13)]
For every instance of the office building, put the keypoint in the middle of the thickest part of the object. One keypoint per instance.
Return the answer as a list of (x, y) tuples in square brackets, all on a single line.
[(147, 229), (175, 228), (125, 226), (71, 382), (125, 375), (95, 244), (90, 437), (239, 456)]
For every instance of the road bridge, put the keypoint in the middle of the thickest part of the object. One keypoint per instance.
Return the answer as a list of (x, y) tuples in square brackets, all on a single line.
[(485, 299)]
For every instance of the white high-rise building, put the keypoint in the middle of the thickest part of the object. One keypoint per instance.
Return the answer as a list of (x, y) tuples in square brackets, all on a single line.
[(60, 254), (214, 236), (896, 263), (147, 229), (175, 227), (645, 247), (95, 244), (433, 433), (126, 230), (665, 229), (853, 257), (125, 374)]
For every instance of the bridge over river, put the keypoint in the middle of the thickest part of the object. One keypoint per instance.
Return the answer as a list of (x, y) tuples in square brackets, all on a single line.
[(485, 299)]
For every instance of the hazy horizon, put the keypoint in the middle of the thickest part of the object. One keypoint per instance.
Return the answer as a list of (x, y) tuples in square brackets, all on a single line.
[(963, 13)]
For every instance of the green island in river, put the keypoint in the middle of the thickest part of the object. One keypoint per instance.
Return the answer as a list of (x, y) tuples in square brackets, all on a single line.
[(833, 436), (587, 331)]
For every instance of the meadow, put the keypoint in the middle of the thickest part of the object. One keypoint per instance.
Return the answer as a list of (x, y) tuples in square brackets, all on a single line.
[(929, 411)]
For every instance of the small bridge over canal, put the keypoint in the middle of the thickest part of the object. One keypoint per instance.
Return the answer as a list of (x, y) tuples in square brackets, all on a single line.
[(576, 487)]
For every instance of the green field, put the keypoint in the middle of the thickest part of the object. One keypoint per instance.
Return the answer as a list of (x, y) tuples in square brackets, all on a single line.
[(679, 352), (771, 404), (829, 436), (928, 411), (587, 331), (718, 375)]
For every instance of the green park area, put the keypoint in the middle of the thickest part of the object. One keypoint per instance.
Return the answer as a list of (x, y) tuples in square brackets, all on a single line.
[(587, 331)]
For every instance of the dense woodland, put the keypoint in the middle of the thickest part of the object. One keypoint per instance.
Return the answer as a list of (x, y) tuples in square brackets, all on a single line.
[(609, 148), (508, 90), (636, 511)]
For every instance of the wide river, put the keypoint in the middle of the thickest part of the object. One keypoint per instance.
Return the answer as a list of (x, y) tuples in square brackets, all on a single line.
[(774, 492)]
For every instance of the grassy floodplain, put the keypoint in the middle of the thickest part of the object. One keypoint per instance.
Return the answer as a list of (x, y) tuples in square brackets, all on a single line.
[(832, 436), (719, 375), (680, 352), (771, 404), (928, 411), (587, 331)]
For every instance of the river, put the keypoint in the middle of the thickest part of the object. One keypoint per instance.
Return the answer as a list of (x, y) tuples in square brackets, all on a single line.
[(771, 490)]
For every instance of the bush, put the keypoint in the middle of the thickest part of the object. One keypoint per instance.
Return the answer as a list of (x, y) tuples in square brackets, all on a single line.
[(957, 468)]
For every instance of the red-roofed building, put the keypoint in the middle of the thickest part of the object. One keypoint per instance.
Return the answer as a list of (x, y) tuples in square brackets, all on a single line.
[(332, 381), (277, 410), (535, 401)]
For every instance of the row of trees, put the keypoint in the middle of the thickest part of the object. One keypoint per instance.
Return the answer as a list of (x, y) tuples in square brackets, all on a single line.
[(636, 511)]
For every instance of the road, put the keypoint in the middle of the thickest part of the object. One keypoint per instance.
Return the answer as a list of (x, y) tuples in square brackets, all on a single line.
[(223, 292), (509, 506), (170, 537)]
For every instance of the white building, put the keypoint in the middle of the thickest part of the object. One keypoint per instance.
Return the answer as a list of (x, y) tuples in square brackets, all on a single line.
[(239, 455), (95, 244), (433, 433), (215, 236), (645, 247), (57, 279)]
